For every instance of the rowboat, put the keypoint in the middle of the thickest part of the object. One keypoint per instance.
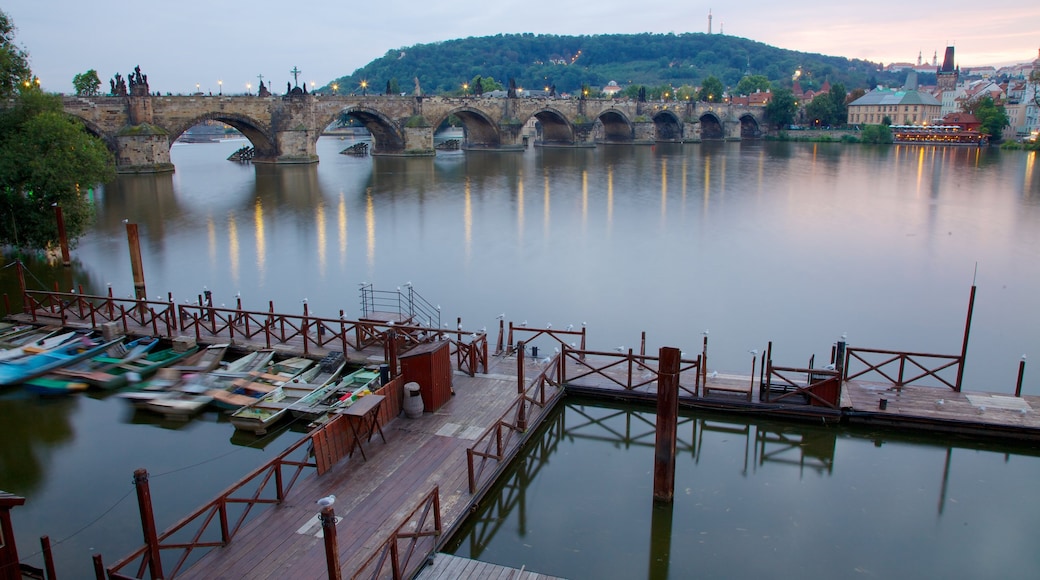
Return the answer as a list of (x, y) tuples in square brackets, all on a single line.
[(49, 341), (22, 369), (76, 376), (181, 394), (136, 370), (258, 417), (23, 334), (239, 390), (319, 407), (165, 380)]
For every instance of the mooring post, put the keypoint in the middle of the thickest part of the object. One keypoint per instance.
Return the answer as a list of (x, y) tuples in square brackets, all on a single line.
[(392, 359), (521, 419), (328, 530), (667, 423), (136, 265), (1021, 375), (661, 516), (704, 358), (48, 558), (21, 287), (99, 567), (151, 540), (964, 344), (63, 239), (501, 334)]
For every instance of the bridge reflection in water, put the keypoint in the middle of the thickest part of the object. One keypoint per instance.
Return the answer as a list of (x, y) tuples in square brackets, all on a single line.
[(751, 497)]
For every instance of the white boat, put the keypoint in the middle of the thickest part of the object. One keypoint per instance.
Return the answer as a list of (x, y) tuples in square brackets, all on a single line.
[(261, 413)]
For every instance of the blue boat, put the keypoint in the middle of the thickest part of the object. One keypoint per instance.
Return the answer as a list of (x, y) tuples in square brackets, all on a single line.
[(89, 372), (13, 372)]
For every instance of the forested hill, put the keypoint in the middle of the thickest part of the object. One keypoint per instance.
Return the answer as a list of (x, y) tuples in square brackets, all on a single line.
[(536, 61)]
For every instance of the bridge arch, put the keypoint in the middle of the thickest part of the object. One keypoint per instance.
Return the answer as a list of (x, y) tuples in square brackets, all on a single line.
[(93, 129), (617, 128), (263, 144), (711, 126), (667, 126), (556, 129), (481, 131), (749, 127), (386, 136)]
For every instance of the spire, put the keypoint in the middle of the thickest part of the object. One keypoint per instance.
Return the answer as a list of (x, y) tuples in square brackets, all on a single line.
[(709, 20)]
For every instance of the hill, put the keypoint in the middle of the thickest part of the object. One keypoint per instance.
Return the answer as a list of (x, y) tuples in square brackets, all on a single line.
[(571, 62)]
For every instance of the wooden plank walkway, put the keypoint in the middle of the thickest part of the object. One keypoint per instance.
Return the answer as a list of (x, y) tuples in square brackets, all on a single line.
[(373, 497), (449, 567)]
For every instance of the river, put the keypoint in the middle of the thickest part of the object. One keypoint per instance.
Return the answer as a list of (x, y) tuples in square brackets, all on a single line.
[(793, 243)]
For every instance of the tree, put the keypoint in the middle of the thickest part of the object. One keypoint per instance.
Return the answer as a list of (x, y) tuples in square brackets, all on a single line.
[(14, 63), (781, 108), (992, 117), (876, 134), (820, 111), (752, 84), (711, 90), (87, 84), (46, 159), (838, 97)]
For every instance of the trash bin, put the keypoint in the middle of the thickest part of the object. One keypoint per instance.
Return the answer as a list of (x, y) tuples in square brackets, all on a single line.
[(384, 374), (413, 403)]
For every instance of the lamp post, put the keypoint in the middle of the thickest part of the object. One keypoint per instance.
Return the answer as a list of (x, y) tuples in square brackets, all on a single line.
[(220, 88), (465, 89), (335, 89), (364, 88), (249, 88), (198, 88)]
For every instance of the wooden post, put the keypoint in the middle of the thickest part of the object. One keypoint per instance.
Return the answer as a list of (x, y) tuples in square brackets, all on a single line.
[(21, 287), (392, 359), (501, 334), (667, 423), (136, 266), (48, 558), (99, 567), (661, 516), (642, 344), (520, 384), (964, 344), (151, 540), (328, 530), (63, 239), (704, 358), (1021, 375)]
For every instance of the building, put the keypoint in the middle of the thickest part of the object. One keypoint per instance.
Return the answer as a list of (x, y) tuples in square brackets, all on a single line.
[(901, 107), (947, 75), (611, 89)]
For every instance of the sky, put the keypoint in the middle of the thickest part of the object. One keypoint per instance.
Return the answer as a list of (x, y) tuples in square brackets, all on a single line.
[(220, 45)]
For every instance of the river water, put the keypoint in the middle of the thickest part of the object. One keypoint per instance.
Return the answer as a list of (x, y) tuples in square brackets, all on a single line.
[(785, 242)]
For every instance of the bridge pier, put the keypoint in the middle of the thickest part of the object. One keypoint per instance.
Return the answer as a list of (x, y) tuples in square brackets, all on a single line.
[(143, 148)]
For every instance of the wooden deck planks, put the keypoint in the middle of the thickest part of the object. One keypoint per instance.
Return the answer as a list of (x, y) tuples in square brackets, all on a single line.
[(449, 567), (374, 496)]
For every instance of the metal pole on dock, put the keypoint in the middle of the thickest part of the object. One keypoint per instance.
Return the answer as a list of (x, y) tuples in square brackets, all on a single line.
[(667, 423), (144, 504), (521, 419), (63, 239), (328, 530), (136, 265), (964, 344), (1021, 375)]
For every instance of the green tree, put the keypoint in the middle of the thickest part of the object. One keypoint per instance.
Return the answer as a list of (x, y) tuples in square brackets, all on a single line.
[(992, 117), (46, 159), (711, 90), (14, 62), (87, 84), (838, 96), (820, 111), (752, 84), (876, 134), (781, 108)]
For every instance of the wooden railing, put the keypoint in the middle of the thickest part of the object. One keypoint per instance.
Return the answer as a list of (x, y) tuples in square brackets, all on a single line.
[(488, 453), (902, 368), (628, 370), (211, 525), (817, 387), (409, 545), (563, 337)]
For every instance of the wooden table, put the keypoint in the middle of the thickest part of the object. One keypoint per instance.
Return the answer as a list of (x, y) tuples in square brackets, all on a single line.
[(364, 413)]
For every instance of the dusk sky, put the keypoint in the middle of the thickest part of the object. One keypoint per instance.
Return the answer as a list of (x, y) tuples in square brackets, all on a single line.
[(181, 44)]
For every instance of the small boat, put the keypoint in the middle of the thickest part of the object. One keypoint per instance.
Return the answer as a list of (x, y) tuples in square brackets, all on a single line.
[(320, 406), (23, 334), (48, 342), (76, 376), (22, 369), (258, 417), (165, 380), (138, 369), (245, 390)]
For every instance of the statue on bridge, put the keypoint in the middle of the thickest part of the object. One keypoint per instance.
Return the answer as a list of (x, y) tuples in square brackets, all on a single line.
[(118, 86), (138, 83), (418, 89), (263, 92)]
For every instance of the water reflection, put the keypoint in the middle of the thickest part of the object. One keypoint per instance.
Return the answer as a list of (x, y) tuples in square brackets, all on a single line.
[(578, 502), (30, 432)]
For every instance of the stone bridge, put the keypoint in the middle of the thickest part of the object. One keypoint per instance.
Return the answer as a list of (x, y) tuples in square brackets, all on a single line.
[(140, 129)]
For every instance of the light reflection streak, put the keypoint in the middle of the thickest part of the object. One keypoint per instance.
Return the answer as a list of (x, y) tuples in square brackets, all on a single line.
[(1030, 163), (920, 170), (685, 168), (548, 204), (233, 247), (261, 239), (211, 235), (467, 220), (370, 227), (707, 180), (664, 189), (610, 197), (584, 199), (520, 208), (319, 218), (341, 220)]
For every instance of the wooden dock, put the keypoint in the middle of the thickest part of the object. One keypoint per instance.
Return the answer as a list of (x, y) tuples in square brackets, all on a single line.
[(448, 567)]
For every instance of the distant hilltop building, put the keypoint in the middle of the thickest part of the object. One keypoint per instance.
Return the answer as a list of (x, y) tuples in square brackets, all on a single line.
[(611, 89)]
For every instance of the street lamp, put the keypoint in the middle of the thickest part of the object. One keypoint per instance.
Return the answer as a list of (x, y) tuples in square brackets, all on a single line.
[(220, 88), (198, 88), (364, 88), (465, 88), (335, 89), (249, 88)]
